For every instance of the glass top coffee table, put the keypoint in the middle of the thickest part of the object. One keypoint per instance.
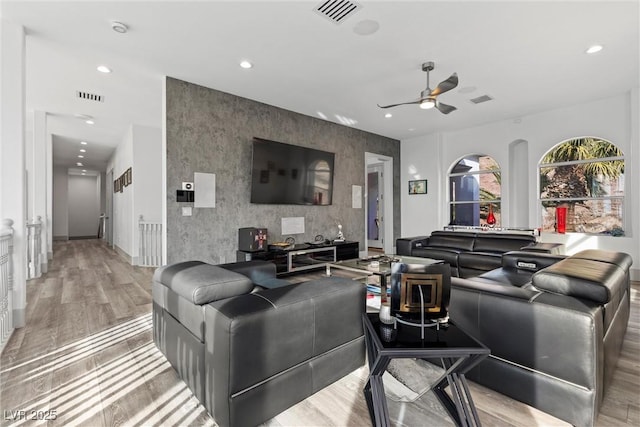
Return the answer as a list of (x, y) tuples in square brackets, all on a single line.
[(378, 266), (457, 351)]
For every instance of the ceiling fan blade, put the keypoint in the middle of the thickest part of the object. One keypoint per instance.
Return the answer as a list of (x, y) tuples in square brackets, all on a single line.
[(444, 108), (402, 103), (446, 85)]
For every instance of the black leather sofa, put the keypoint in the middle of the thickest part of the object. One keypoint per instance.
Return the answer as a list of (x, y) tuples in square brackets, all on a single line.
[(250, 345), (554, 324), (468, 253)]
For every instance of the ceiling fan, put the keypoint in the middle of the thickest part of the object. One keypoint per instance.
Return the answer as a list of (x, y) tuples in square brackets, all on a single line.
[(428, 98)]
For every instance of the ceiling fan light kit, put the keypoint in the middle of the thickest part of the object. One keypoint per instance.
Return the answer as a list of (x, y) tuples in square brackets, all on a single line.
[(428, 97)]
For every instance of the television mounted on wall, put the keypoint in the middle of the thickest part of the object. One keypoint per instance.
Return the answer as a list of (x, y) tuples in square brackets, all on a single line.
[(290, 174)]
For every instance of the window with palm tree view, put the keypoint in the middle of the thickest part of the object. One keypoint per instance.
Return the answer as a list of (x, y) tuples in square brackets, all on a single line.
[(475, 192), (585, 175)]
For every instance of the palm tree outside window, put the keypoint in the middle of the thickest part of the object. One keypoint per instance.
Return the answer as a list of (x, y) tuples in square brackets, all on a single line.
[(586, 175)]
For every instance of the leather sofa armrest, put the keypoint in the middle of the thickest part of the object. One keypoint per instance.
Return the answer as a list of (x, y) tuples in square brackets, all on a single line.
[(529, 261), (200, 283), (406, 245), (260, 272)]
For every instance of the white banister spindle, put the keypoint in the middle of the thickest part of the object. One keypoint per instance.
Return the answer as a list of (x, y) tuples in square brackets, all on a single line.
[(34, 248), (150, 243), (6, 281)]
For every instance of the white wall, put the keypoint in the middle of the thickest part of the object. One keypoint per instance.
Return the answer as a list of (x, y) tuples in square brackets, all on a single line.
[(122, 219), (59, 200), (614, 119), (141, 149), (84, 206)]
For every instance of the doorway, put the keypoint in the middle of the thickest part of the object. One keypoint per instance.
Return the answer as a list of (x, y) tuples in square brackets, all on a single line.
[(375, 206), (379, 203)]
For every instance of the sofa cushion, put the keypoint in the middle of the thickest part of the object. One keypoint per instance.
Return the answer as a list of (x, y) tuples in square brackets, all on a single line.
[(201, 283), (499, 243), (582, 278), (621, 259), (452, 239), (481, 261)]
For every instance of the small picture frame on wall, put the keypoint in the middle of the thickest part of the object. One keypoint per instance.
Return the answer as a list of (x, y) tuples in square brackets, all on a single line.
[(116, 187), (129, 178), (121, 179), (418, 186)]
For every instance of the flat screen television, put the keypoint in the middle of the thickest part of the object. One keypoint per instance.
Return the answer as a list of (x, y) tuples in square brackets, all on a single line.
[(290, 174)]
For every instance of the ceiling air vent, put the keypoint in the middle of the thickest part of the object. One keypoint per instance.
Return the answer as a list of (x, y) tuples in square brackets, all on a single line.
[(89, 96), (337, 10), (481, 99)]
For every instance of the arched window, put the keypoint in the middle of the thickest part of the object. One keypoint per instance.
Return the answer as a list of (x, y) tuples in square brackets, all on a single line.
[(585, 175), (475, 192)]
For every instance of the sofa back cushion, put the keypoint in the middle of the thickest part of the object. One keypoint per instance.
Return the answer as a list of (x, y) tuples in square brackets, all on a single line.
[(500, 243), (200, 283), (593, 280), (452, 239)]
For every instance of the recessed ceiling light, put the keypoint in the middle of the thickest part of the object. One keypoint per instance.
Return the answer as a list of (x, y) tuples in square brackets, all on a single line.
[(246, 64), (366, 27), (82, 150), (89, 122), (83, 142), (79, 164), (119, 27), (80, 156), (83, 173), (594, 49), (104, 69), (388, 115), (84, 170)]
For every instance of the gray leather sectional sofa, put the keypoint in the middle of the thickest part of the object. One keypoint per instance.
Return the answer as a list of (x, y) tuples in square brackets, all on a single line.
[(250, 345), (468, 253), (554, 325)]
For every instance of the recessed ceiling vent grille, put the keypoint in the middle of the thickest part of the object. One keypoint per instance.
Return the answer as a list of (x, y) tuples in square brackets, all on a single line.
[(481, 99), (337, 10), (89, 96)]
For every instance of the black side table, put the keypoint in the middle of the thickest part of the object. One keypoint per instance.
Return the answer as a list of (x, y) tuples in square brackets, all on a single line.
[(458, 352)]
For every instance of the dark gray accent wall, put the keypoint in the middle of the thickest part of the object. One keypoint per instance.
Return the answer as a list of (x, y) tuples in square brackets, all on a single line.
[(211, 131)]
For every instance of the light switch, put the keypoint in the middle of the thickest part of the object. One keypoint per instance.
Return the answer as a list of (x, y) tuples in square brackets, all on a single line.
[(187, 211)]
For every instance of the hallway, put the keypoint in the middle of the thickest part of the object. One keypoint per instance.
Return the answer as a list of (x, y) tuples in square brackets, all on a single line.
[(86, 356)]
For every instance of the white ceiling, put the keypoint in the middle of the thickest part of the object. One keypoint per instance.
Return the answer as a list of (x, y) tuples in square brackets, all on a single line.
[(528, 56)]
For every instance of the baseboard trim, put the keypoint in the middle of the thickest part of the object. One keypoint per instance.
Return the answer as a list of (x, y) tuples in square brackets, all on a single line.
[(82, 237), (65, 238), (44, 267), (122, 253), (19, 318)]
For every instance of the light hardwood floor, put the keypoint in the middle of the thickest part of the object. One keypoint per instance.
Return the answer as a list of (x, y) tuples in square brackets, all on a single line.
[(86, 357)]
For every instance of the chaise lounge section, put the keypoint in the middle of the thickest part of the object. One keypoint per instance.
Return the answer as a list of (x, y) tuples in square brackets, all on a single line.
[(554, 324), (250, 345)]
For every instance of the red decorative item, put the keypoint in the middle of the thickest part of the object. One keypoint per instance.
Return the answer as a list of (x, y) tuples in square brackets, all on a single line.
[(491, 219), (561, 219)]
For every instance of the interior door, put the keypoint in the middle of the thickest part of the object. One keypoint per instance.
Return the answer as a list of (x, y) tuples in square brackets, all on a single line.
[(375, 207)]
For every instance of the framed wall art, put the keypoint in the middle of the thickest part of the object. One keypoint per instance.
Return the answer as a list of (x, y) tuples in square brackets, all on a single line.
[(418, 186)]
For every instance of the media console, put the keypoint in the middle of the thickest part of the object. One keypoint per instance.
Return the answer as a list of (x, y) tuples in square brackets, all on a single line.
[(304, 256)]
